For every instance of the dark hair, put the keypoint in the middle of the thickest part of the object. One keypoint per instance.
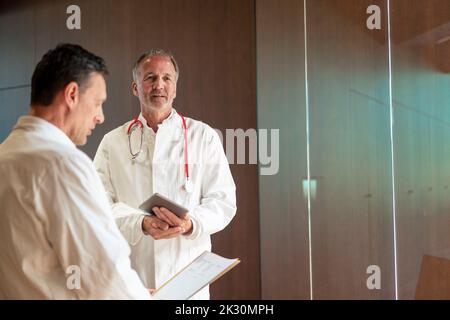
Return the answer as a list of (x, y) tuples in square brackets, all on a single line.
[(60, 66), (155, 53)]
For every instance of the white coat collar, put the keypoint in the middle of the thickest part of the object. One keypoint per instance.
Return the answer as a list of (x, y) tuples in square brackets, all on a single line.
[(170, 120), (43, 127)]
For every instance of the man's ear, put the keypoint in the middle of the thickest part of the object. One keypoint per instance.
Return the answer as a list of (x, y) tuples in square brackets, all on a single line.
[(72, 94), (134, 88)]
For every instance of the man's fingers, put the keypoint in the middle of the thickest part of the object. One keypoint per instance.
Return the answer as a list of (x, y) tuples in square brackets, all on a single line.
[(161, 215), (168, 216), (152, 222), (172, 217), (170, 233), (159, 224)]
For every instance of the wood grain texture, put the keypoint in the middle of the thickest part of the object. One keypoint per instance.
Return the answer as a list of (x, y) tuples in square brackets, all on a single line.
[(422, 154), (282, 106), (17, 44), (352, 218), (434, 279)]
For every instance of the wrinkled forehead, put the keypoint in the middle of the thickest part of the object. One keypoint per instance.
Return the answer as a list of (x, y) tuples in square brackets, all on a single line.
[(157, 64)]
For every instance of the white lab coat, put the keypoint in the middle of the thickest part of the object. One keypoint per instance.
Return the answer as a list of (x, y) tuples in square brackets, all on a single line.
[(56, 223), (160, 168)]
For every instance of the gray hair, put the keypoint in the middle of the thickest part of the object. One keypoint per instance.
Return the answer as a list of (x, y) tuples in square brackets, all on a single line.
[(154, 53)]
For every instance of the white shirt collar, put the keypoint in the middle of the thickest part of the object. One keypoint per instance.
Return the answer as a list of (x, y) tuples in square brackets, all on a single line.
[(169, 120), (42, 126)]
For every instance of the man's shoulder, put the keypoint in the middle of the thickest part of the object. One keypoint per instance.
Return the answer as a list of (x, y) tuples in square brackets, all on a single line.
[(48, 159), (114, 136), (201, 128), (68, 164), (118, 131), (63, 156)]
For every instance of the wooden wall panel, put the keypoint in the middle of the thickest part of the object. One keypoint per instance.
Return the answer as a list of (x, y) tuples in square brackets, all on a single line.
[(352, 218), (434, 280), (422, 153), (282, 106), (227, 71), (16, 62), (13, 104), (17, 44)]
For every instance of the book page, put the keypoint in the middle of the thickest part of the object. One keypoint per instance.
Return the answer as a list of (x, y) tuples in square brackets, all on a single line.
[(205, 269)]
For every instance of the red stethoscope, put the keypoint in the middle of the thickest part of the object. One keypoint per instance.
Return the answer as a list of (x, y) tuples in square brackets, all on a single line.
[(137, 124)]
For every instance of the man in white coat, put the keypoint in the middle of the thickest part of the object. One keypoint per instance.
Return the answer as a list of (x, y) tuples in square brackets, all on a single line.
[(163, 152), (58, 238)]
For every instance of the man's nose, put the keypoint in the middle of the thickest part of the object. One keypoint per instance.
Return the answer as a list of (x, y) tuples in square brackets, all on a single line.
[(100, 117), (158, 84)]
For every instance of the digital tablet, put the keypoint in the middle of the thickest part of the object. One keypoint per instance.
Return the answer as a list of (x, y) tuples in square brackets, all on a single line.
[(158, 200)]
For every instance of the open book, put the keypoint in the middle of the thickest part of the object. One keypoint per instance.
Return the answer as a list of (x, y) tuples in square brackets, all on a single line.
[(204, 270)]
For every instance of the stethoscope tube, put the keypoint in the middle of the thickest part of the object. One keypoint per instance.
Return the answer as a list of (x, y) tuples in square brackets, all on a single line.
[(136, 123), (188, 183), (131, 128)]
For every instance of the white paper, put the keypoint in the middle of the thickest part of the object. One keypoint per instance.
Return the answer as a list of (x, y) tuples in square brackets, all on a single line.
[(202, 271)]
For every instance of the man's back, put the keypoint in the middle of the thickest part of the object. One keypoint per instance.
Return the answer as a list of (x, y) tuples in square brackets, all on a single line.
[(28, 262), (55, 219)]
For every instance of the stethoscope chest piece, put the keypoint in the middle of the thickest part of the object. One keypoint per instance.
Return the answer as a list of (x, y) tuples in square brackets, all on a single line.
[(189, 186)]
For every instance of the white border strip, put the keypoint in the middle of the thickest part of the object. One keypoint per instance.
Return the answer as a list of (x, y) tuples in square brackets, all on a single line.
[(308, 155), (391, 110)]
